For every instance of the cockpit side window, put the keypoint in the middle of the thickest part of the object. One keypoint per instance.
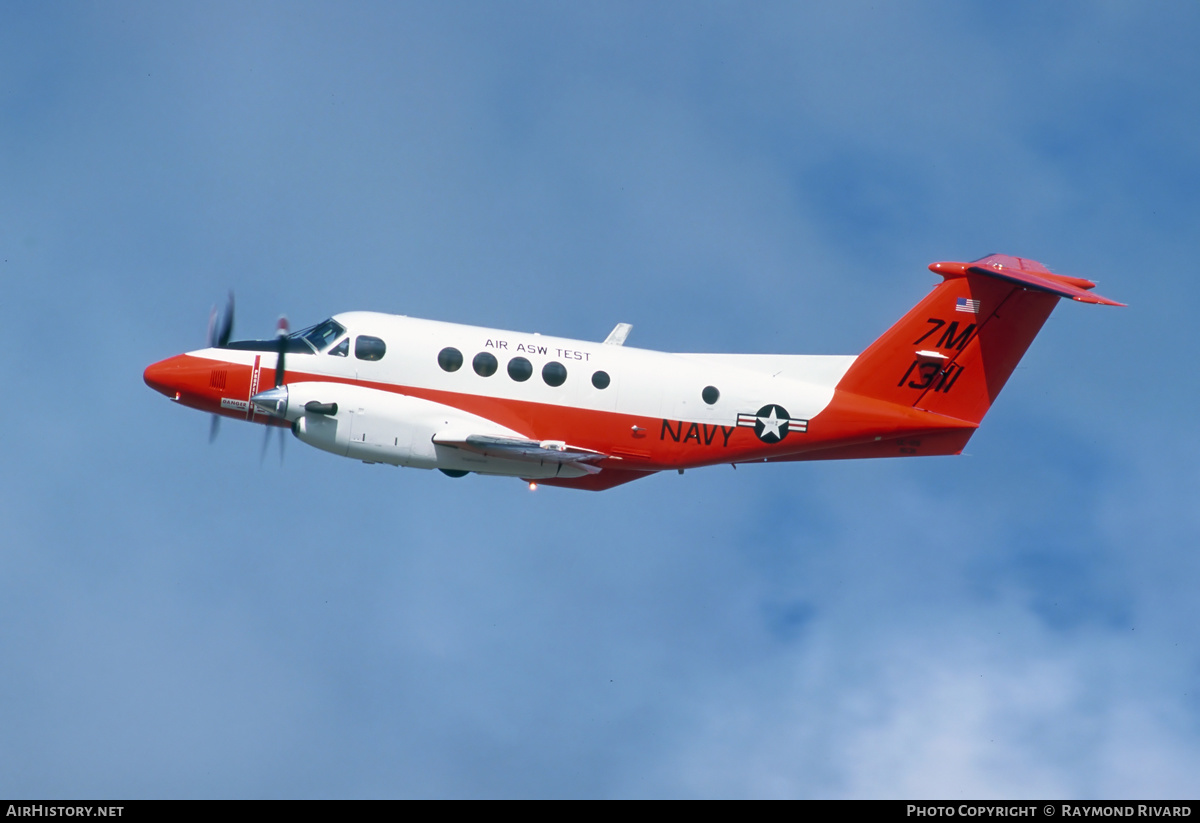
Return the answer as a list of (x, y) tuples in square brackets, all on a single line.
[(320, 336), (341, 349), (369, 348)]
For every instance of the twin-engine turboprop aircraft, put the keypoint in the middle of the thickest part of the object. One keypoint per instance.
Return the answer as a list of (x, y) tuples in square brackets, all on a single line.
[(383, 388)]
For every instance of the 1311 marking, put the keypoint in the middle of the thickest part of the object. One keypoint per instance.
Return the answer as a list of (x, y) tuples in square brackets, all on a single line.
[(926, 374)]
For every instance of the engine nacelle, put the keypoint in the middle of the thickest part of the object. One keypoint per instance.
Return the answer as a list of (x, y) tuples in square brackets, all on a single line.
[(367, 424), (385, 427)]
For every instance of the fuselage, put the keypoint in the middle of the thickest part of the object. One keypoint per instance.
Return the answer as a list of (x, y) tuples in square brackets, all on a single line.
[(644, 410)]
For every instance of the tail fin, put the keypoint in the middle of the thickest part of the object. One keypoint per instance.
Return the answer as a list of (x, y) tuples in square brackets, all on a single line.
[(953, 353)]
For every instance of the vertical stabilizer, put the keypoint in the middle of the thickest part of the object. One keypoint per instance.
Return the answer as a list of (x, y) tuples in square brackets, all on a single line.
[(953, 353)]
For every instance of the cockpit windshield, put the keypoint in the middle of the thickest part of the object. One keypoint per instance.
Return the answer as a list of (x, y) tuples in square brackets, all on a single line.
[(321, 336), (306, 341)]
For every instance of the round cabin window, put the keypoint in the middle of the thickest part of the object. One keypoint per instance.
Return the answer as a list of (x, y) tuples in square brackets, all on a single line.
[(520, 369), (555, 374), (484, 364), (450, 359)]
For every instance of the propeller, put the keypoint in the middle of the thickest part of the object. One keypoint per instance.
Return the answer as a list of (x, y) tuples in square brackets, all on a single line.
[(281, 333), (220, 325), (220, 329), (281, 336), (267, 442)]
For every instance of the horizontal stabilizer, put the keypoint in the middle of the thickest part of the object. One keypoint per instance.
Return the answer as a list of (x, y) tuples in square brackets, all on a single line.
[(1027, 273)]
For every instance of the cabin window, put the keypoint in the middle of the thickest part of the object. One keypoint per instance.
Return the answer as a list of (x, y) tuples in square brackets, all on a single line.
[(520, 369), (450, 359), (710, 395), (341, 349), (555, 374), (369, 348), (484, 364), (601, 380)]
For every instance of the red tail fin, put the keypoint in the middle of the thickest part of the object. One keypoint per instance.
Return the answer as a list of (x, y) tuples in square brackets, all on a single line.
[(953, 353)]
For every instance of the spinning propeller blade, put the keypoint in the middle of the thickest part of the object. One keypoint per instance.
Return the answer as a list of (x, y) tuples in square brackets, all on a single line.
[(262, 457), (220, 329), (220, 325), (281, 333)]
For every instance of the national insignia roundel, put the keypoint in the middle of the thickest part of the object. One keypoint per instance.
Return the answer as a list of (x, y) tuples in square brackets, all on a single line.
[(771, 423)]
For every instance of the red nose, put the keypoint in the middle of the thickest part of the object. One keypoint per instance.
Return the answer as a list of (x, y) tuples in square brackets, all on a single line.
[(193, 381), (165, 376)]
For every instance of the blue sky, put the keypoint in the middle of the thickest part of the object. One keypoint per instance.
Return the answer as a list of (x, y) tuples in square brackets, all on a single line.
[(183, 620)]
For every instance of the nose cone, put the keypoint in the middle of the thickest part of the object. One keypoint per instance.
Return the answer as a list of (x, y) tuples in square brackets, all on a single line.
[(188, 379), (201, 382), (164, 375)]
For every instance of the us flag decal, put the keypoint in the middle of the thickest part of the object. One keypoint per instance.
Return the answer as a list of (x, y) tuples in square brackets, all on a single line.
[(967, 305)]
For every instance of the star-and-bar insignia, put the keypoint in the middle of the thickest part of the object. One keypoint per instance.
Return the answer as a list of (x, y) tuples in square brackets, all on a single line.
[(772, 423)]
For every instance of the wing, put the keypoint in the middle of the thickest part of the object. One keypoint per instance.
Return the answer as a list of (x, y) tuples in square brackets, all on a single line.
[(533, 451)]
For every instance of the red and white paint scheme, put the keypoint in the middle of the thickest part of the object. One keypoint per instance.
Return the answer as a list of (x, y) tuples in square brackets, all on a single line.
[(384, 388)]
